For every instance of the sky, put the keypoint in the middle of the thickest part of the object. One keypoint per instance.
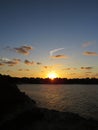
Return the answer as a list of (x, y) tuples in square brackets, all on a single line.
[(38, 37)]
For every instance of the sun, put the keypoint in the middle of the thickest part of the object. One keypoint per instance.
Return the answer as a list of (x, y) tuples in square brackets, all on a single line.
[(52, 75)]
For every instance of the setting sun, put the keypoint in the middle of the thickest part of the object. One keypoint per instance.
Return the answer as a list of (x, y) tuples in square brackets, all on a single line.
[(52, 75)]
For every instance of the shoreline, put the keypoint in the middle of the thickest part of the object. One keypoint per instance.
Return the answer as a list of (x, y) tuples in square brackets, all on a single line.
[(64, 98), (19, 112), (38, 80)]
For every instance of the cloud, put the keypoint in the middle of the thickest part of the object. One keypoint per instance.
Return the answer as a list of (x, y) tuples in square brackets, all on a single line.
[(96, 74), (23, 49), (88, 72), (38, 63), (9, 62), (23, 69), (89, 53), (3, 59), (74, 68), (46, 67), (86, 68), (12, 62), (59, 57), (67, 69), (1, 64), (70, 68), (55, 50), (27, 62), (20, 69), (73, 73), (27, 70)]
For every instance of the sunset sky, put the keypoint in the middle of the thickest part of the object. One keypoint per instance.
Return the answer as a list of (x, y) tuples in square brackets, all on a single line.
[(42, 36)]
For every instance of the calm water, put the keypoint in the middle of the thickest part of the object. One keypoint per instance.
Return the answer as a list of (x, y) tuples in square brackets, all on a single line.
[(81, 99)]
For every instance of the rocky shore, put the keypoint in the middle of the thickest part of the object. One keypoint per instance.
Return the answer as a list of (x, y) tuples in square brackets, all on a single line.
[(19, 112)]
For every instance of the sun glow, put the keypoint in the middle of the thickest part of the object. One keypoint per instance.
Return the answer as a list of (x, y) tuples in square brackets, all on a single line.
[(52, 75)]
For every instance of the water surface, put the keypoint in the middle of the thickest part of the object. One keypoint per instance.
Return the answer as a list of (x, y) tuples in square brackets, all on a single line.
[(81, 99)]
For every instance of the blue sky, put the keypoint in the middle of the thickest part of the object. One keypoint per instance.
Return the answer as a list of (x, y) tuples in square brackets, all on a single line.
[(30, 29)]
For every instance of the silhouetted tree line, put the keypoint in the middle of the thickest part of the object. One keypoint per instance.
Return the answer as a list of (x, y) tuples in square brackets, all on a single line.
[(19, 112), (25, 80)]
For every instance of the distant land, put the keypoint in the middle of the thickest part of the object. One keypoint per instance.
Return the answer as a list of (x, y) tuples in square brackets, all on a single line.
[(32, 80)]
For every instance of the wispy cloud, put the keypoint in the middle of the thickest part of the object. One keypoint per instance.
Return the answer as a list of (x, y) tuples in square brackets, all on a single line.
[(55, 50), (9, 62), (89, 53), (27, 62), (23, 49), (59, 57), (86, 68)]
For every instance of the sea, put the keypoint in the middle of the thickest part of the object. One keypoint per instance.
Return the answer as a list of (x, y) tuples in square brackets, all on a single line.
[(81, 99)]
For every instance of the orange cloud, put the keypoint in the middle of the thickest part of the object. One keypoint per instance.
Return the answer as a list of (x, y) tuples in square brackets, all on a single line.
[(23, 69), (1, 64), (96, 74), (23, 49), (12, 62), (89, 72), (45, 67), (86, 68), (89, 53), (67, 68), (59, 57), (70, 68), (27, 62), (27, 70), (9, 62), (20, 69)]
